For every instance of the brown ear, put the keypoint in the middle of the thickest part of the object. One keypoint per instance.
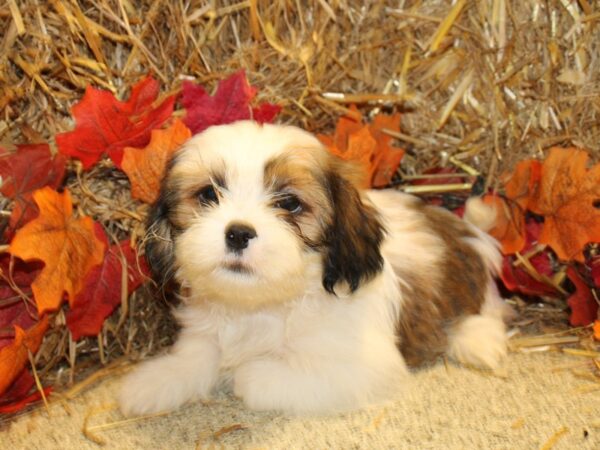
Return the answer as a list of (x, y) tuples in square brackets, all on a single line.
[(352, 240)]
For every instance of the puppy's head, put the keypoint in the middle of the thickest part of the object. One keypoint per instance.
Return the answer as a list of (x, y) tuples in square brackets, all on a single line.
[(253, 214)]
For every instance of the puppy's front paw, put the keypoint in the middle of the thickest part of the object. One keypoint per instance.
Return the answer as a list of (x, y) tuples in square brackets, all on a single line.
[(254, 385), (152, 387)]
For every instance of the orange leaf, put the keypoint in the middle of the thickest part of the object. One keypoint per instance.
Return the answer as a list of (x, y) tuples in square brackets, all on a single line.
[(145, 166), (388, 157), (361, 148), (367, 145), (509, 228), (523, 183), (68, 246), (568, 196), (597, 330), (13, 357)]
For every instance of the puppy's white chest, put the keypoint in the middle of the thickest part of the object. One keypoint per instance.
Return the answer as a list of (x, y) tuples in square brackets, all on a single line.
[(250, 336)]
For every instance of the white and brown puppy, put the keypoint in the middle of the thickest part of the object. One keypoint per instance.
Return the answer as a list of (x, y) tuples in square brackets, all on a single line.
[(303, 292)]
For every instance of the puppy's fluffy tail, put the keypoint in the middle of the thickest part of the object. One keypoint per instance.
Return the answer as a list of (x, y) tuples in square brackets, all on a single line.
[(479, 214)]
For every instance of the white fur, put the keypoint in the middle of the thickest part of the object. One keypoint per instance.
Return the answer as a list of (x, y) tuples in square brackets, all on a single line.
[(276, 334), (314, 354)]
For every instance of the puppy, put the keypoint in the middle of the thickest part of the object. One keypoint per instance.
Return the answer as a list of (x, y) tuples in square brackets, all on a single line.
[(304, 293)]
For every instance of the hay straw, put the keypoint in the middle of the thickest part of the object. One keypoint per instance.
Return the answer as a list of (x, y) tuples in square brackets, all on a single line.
[(553, 440), (536, 341), (38, 383), (581, 352)]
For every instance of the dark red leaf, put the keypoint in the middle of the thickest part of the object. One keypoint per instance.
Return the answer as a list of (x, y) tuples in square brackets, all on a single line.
[(16, 396), (16, 281), (15, 356), (18, 389), (594, 265), (265, 113), (230, 103), (29, 168), (102, 291), (584, 309), (105, 125), (13, 309), (517, 279)]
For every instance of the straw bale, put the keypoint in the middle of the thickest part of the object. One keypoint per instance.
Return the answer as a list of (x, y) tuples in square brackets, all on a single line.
[(485, 83)]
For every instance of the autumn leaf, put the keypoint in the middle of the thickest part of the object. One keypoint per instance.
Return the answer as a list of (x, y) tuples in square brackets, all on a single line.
[(509, 227), (517, 278), (29, 168), (584, 309), (13, 357), (67, 245), (567, 198), (16, 277), (597, 330), (145, 166), (103, 289), (594, 266), (361, 149), (388, 157), (230, 103), (18, 396), (265, 112), (345, 127), (18, 389), (522, 184), (105, 125), (367, 145), (520, 188)]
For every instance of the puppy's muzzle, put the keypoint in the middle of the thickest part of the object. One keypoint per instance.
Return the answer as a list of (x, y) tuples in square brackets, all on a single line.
[(238, 235)]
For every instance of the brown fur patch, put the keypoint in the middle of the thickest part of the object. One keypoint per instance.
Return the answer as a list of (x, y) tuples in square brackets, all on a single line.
[(352, 242), (429, 314), (299, 172), (335, 220)]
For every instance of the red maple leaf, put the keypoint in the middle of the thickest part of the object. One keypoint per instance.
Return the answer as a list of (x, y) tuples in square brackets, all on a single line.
[(265, 112), (29, 168), (102, 291), (230, 103), (105, 125), (15, 281), (18, 395), (16, 277), (594, 265), (584, 309), (17, 391), (517, 278)]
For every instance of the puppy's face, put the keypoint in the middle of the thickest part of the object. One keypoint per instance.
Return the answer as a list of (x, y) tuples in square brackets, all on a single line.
[(258, 214)]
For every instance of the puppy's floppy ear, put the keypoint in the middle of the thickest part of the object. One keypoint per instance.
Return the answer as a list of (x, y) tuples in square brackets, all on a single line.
[(353, 238), (159, 246)]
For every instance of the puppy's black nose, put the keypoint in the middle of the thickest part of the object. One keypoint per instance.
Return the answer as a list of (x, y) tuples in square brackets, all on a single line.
[(238, 235)]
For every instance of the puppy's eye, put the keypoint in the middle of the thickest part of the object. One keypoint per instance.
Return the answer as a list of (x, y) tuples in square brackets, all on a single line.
[(208, 195), (290, 203)]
